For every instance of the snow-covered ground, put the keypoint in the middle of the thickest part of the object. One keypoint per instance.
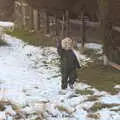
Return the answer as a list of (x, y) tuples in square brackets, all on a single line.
[(30, 78), (6, 24)]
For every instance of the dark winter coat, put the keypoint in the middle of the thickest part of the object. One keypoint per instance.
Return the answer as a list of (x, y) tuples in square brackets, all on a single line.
[(68, 59)]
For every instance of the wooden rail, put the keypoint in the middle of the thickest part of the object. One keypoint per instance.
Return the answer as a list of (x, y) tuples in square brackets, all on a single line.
[(117, 66), (116, 28)]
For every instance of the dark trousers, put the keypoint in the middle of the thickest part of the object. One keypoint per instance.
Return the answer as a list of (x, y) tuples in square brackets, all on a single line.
[(68, 77)]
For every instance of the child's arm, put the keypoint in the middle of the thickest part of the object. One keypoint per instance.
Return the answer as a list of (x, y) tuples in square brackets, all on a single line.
[(59, 48), (76, 60)]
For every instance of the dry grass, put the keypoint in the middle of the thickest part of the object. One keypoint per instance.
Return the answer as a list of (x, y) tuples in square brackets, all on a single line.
[(95, 116), (100, 77), (116, 110), (17, 109), (93, 98), (2, 43), (3, 103), (33, 38), (98, 106), (84, 92), (62, 108)]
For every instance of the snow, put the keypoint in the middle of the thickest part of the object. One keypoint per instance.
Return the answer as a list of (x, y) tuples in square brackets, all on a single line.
[(110, 99), (27, 75), (30, 78), (7, 114), (109, 115), (93, 45), (6, 24), (117, 86)]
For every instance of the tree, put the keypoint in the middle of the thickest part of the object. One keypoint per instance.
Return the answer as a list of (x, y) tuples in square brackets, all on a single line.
[(106, 27), (83, 9), (59, 8), (53, 4), (6, 9)]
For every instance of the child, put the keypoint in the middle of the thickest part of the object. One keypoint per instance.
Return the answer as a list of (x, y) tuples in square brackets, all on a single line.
[(69, 62)]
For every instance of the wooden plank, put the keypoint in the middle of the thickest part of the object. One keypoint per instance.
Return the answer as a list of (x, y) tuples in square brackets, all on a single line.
[(116, 28), (116, 66)]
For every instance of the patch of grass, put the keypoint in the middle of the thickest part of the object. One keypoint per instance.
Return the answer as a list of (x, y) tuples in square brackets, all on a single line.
[(4, 103), (92, 53), (84, 92), (94, 116), (116, 110), (93, 98), (39, 118), (99, 76), (98, 106), (62, 108), (2, 107), (33, 38)]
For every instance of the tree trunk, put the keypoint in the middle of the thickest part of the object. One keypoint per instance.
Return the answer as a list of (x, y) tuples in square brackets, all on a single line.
[(38, 20), (106, 27), (67, 22), (83, 32), (105, 59), (31, 18), (23, 12), (56, 26), (63, 26), (35, 19), (47, 23)]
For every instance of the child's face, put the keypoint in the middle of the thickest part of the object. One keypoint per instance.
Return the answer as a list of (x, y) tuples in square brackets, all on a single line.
[(67, 44)]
